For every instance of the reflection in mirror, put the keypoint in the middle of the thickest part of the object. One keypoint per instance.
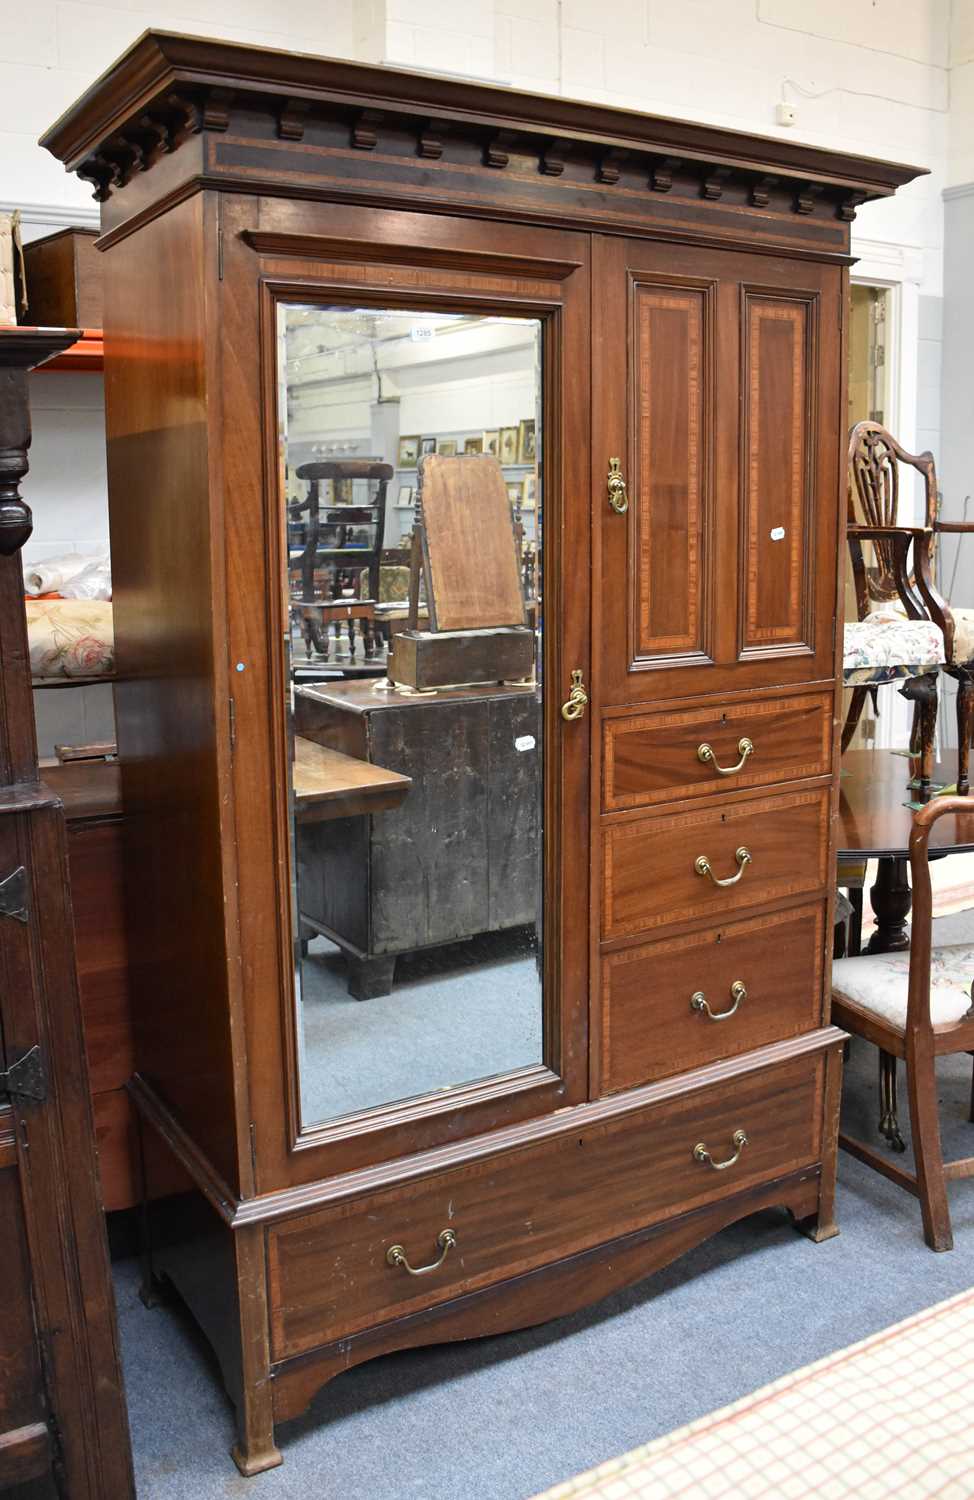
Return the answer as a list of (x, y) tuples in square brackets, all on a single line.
[(410, 462)]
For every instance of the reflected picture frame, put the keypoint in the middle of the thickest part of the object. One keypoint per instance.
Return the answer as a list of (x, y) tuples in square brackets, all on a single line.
[(526, 441), (409, 451)]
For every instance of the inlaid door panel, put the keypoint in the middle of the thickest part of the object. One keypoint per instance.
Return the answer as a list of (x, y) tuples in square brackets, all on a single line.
[(716, 386), (672, 342), (777, 444)]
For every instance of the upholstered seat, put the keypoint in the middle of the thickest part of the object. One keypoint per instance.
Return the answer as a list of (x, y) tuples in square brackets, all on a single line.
[(878, 982), (887, 647)]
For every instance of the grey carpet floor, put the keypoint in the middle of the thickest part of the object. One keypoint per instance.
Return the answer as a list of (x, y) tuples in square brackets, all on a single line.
[(456, 1014), (502, 1418)]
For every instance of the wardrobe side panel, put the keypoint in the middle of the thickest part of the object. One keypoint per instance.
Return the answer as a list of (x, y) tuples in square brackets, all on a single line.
[(166, 594)]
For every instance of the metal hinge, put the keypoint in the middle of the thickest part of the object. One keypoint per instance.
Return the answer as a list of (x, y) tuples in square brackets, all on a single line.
[(26, 1079), (233, 725), (13, 895), (219, 239)]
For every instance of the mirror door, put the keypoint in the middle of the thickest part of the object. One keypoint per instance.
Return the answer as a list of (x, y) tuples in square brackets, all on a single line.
[(434, 796)]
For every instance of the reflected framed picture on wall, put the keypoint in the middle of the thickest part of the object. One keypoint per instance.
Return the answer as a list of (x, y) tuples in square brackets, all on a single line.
[(514, 493), (507, 446), (427, 445), (529, 492), (447, 447), (491, 443), (473, 445), (408, 452), (525, 441), (404, 499)]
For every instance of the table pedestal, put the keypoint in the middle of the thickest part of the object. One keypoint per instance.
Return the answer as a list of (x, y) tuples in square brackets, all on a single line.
[(891, 900)]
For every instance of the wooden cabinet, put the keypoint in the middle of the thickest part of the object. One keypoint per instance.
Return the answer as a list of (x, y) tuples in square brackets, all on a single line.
[(628, 1047), (63, 1424)]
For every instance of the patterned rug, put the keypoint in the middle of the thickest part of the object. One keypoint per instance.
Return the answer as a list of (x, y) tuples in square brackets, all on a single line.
[(888, 1417)]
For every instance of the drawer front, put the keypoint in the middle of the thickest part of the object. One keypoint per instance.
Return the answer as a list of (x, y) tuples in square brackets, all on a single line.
[(653, 758), (652, 1029), (650, 877), (516, 1210)]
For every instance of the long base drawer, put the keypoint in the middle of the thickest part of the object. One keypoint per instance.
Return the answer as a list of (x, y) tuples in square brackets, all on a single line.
[(605, 1170)]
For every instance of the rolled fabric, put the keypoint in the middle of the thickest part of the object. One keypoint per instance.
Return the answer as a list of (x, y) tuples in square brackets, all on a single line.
[(48, 577)]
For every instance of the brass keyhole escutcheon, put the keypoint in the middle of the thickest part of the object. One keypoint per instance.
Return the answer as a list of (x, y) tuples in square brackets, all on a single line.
[(616, 484), (577, 701)]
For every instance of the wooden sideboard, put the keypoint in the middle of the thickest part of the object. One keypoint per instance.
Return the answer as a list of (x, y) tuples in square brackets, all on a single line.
[(681, 289)]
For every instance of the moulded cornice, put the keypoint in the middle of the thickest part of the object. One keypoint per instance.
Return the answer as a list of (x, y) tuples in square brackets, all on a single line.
[(162, 64)]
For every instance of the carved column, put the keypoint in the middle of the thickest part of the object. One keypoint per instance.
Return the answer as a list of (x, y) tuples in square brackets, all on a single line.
[(21, 349)]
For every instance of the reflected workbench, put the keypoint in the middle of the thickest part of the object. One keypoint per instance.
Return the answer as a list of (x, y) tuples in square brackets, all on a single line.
[(458, 852)]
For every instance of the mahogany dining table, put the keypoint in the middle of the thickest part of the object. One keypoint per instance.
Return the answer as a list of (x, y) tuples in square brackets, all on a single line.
[(876, 807)]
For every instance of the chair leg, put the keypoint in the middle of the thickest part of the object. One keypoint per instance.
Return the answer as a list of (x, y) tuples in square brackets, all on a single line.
[(856, 705), (888, 1123), (922, 693), (925, 1124), (965, 723)]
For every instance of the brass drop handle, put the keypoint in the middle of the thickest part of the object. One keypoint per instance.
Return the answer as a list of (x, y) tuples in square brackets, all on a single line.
[(698, 1001), (701, 1154), (744, 748), (616, 485), (702, 866), (396, 1255), (577, 698)]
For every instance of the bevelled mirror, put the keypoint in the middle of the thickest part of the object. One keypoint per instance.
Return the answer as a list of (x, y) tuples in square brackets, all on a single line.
[(411, 506)]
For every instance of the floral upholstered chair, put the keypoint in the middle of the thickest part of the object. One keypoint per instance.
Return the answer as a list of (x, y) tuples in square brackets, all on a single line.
[(914, 1006), (905, 629)]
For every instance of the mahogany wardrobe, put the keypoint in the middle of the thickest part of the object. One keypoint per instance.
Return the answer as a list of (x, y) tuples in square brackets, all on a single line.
[(591, 906)]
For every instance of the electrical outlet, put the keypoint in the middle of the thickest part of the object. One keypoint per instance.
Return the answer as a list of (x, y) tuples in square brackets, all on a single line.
[(784, 114)]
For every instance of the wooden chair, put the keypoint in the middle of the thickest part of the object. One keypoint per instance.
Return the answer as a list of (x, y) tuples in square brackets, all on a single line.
[(898, 637), (330, 540), (916, 1006)]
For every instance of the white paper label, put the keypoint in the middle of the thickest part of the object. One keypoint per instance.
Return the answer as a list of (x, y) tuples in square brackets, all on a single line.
[(777, 533), (525, 742)]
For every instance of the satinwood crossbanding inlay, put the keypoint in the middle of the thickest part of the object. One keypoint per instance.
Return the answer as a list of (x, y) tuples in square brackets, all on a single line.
[(668, 357), (777, 446)]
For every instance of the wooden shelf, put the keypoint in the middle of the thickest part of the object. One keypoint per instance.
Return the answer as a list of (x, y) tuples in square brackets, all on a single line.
[(88, 354)]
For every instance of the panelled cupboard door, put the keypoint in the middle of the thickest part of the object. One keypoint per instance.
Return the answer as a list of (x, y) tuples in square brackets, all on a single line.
[(716, 399), (380, 831)]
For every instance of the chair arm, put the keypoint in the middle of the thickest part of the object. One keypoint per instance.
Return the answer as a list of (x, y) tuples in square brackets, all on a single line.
[(919, 598), (877, 533), (953, 525), (918, 1012)]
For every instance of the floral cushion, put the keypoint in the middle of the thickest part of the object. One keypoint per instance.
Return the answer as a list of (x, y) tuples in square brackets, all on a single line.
[(885, 647), (70, 637), (963, 634), (878, 982)]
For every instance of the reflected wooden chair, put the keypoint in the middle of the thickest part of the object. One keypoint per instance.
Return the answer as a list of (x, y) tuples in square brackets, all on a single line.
[(896, 638), (916, 1006)]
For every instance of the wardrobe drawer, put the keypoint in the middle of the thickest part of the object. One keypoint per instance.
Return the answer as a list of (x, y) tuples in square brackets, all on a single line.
[(655, 757), (583, 1182), (650, 1027), (650, 873)]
